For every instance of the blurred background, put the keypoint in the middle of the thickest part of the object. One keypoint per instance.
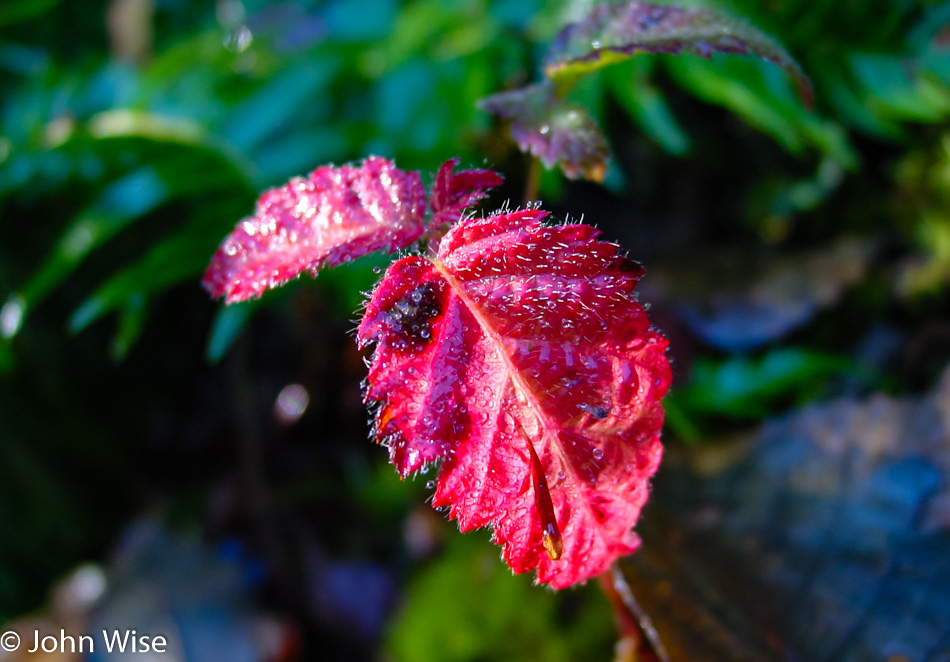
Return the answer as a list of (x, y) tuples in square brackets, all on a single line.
[(205, 472)]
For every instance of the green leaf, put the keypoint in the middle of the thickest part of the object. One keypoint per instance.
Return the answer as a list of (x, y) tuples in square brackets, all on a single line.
[(891, 89), (124, 123), (228, 323), (613, 33), (645, 104), (7, 360), (742, 387), (15, 11), (763, 99), (848, 99), (360, 20), (483, 613), (276, 104), (178, 257), (178, 171), (120, 203), (131, 323)]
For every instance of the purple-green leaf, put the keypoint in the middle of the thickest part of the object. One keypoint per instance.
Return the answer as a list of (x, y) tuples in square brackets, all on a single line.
[(612, 33), (552, 130)]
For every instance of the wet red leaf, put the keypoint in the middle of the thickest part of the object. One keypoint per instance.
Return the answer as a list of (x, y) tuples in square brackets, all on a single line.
[(334, 215), (519, 358), (454, 192)]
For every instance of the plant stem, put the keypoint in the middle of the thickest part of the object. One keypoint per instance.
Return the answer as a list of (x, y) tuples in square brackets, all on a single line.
[(634, 625), (533, 182)]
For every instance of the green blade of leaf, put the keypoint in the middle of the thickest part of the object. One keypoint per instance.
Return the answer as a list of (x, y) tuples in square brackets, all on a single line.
[(741, 387), (179, 257), (612, 33), (646, 105), (7, 361), (186, 169), (849, 102), (892, 89), (757, 94), (276, 103), (16, 11), (131, 323), (120, 203), (523, 623), (123, 123), (228, 323)]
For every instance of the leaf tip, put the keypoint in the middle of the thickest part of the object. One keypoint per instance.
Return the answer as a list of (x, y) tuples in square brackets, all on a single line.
[(552, 542)]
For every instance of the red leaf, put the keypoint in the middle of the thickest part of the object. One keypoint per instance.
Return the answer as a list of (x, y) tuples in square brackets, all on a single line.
[(452, 193), (519, 358), (333, 216)]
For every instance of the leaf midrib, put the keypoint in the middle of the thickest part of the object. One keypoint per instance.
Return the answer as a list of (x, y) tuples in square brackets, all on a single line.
[(517, 381)]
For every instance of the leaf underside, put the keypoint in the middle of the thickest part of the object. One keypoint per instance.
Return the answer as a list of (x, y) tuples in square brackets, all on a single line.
[(519, 359)]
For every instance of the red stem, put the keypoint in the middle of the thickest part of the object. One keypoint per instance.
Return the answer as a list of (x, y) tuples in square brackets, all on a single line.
[(633, 623)]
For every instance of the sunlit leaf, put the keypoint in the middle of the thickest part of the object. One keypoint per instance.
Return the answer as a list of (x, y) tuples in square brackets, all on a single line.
[(333, 216), (519, 358), (120, 123)]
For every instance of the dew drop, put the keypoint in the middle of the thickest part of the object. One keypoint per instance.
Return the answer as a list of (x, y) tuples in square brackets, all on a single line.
[(11, 315), (238, 40), (291, 404)]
